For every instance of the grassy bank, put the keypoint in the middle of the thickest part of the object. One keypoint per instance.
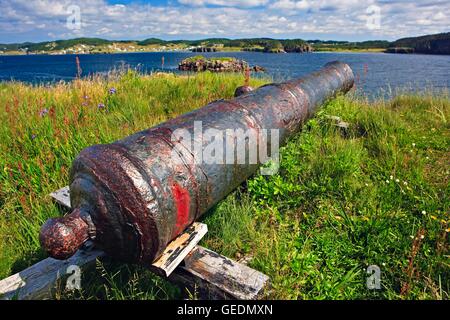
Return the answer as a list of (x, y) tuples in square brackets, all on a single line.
[(375, 194)]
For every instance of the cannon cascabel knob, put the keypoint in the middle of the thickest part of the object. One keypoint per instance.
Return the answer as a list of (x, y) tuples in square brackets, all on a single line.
[(62, 237)]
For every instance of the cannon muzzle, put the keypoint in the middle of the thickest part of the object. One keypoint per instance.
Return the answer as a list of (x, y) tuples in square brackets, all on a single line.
[(133, 196)]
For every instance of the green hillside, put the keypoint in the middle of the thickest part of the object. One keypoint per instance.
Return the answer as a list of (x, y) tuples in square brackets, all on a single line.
[(435, 44)]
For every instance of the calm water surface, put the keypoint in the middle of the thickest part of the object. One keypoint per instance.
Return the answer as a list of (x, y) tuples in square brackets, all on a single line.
[(376, 73)]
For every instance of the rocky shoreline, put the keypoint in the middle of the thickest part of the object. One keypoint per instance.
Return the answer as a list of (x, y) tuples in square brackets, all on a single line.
[(399, 50), (306, 48), (204, 49)]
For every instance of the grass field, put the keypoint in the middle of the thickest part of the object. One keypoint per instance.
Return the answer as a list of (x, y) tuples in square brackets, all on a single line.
[(375, 194)]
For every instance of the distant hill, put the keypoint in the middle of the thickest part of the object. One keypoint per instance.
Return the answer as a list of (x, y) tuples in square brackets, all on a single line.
[(54, 45), (151, 41), (433, 44), (263, 44), (320, 45), (436, 44)]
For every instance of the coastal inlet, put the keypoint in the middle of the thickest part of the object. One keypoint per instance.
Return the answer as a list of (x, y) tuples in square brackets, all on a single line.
[(217, 64)]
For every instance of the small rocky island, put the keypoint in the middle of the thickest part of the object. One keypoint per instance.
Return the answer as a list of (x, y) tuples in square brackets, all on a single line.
[(216, 64)]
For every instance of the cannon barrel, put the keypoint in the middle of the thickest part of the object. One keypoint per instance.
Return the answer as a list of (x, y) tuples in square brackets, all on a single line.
[(133, 196)]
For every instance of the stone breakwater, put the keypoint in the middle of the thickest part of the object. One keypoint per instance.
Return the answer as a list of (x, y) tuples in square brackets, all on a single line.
[(216, 65)]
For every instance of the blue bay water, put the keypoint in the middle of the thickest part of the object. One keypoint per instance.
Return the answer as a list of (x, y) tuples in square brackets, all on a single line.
[(377, 73)]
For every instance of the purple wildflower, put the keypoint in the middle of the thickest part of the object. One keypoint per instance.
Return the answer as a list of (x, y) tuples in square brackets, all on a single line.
[(33, 136), (43, 112), (101, 106), (112, 91)]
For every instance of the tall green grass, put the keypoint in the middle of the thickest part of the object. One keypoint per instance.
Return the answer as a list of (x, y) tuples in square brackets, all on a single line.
[(376, 193), (373, 194)]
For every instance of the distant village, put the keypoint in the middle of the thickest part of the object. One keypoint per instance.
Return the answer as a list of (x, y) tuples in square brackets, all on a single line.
[(91, 49)]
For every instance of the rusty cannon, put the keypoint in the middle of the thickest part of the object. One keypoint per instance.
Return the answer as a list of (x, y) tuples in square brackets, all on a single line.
[(133, 196)]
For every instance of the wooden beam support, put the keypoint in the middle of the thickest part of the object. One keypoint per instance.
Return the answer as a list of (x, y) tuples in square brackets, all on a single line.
[(40, 281), (178, 249), (205, 273), (212, 276)]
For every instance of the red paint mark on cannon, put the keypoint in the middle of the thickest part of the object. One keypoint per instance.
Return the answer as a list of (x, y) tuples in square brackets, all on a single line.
[(182, 200)]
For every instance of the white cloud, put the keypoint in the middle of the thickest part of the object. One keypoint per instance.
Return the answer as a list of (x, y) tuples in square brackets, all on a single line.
[(318, 4), (290, 5), (225, 3), (440, 16), (195, 18)]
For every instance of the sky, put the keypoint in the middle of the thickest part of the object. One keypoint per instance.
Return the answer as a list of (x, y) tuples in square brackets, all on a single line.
[(351, 20)]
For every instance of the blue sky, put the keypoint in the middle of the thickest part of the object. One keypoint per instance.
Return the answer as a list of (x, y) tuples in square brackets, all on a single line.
[(353, 20)]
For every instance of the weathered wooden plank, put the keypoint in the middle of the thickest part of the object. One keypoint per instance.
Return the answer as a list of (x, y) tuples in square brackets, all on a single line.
[(179, 248), (214, 276), (204, 272), (62, 196), (40, 281)]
